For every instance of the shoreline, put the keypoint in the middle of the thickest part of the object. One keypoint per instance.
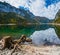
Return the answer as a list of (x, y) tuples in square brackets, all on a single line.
[(26, 48), (58, 24), (33, 50)]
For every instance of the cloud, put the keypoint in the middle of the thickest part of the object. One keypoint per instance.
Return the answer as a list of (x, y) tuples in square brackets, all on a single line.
[(37, 7), (16, 3)]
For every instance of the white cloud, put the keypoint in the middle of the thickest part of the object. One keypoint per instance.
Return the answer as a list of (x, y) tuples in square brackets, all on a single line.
[(16, 3), (37, 7)]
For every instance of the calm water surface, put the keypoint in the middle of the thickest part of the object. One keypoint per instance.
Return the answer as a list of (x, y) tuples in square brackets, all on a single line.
[(17, 31)]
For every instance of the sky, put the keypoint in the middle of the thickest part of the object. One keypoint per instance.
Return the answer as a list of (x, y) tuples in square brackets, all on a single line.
[(43, 8)]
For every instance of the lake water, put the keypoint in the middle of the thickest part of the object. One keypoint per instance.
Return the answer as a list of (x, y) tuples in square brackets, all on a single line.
[(36, 32)]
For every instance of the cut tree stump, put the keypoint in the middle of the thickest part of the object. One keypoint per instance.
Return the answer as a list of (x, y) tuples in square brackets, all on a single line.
[(6, 42), (28, 40)]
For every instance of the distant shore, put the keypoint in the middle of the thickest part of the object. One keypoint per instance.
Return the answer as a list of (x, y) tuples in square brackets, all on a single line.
[(33, 24), (6, 24)]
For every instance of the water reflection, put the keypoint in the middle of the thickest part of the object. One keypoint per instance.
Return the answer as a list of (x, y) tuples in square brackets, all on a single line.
[(57, 30), (17, 31), (45, 36)]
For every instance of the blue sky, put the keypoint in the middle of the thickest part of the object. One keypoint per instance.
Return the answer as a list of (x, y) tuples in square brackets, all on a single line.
[(49, 2), (43, 8)]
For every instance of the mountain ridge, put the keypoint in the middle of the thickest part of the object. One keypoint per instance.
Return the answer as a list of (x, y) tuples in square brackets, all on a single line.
[(57, 17), (29, 16), (5, 7)]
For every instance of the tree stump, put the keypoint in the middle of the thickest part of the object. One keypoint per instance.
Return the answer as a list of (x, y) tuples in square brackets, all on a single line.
[(6, 42), (28, 40)]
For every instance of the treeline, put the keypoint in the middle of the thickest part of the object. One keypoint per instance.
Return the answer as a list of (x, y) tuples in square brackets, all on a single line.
[(57, 17), (57, 20), (11, 18)]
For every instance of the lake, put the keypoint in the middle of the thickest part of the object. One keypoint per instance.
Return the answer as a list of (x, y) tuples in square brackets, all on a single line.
[(30, 31), (16, 31)]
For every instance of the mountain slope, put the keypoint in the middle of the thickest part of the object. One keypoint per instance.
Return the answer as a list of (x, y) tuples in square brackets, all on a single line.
[(13, 18), (10, 12), (42, 19), (10, 17), (22, 12), (5, 7), (57, 17)]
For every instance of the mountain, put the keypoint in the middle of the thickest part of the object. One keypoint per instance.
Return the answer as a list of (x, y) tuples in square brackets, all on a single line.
[(57, 17), (13, 18), (8, 12), (42, 19), (5, 7), (10, 17)]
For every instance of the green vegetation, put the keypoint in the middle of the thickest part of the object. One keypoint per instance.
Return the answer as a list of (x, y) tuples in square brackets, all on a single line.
[(57, 18), (6, 18), (13, 18), (12, 15), (42, 19)]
